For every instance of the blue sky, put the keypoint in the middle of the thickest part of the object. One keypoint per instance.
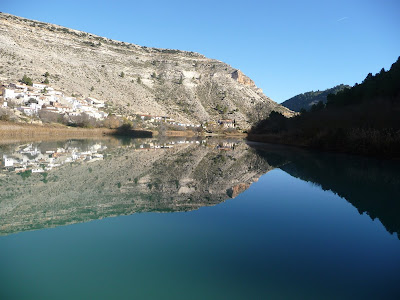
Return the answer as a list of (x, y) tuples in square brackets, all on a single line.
[(286, 47)]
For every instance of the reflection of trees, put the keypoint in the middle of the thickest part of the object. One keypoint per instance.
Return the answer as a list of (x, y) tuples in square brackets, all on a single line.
[(371, 185)]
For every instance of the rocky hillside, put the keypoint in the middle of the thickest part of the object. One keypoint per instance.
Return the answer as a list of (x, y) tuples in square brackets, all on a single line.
[(307, 100), (133, 79)]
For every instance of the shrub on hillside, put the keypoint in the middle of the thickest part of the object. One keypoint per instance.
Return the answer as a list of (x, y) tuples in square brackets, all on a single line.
[(26, 80)]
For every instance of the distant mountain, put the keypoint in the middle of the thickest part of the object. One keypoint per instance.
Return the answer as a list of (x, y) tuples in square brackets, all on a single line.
[(307, 100)]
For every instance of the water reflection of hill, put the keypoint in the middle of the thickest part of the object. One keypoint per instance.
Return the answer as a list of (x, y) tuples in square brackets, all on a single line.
[(132, 176), (370, 185)]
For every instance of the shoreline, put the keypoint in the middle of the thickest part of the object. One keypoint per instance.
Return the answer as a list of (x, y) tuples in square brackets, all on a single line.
[(294, 142), (8, 129), (23, 131), (27, 131)]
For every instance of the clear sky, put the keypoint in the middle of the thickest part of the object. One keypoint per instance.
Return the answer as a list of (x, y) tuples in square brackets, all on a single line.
[(286, 47)]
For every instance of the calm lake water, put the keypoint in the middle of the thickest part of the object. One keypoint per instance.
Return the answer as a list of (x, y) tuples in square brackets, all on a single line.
[(195, 219)]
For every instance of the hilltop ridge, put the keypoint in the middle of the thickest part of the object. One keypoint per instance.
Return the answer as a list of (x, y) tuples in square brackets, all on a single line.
[(308, 99), (131, 79)]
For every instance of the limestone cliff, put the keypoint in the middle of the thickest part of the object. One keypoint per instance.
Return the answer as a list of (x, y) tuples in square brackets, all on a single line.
[(243, 79), (186, 86)]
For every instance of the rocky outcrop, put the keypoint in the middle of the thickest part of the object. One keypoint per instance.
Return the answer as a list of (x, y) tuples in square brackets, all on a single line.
[(186, 86), (242, 79)]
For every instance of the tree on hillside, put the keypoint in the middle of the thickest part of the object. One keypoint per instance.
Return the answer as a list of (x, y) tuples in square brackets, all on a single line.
[(260, 112), (319, 106), (26, 80)]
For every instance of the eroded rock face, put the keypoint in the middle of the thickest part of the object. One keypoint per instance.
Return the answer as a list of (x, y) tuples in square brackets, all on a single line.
[(242, 79), (186, 86)]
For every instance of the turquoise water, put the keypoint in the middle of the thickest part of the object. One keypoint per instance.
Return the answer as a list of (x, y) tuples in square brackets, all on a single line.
[(282, 237)]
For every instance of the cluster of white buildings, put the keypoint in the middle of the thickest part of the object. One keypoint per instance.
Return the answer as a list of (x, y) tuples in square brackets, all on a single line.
[(40, 97), (30, 100), (30, 158)]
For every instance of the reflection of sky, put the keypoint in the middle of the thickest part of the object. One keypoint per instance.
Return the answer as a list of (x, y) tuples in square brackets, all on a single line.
[(269, 242)]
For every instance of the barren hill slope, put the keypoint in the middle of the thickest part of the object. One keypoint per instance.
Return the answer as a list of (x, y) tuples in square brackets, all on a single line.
[(133, 79)]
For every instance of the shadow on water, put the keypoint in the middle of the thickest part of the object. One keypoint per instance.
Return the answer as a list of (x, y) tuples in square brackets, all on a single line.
[(370, 185)]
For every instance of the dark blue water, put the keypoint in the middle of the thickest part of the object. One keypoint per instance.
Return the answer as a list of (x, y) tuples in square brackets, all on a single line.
[(282, 238)]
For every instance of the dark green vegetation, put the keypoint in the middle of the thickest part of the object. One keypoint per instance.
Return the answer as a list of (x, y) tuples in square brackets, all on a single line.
[(307, 100), (26, 80), (362, 120)]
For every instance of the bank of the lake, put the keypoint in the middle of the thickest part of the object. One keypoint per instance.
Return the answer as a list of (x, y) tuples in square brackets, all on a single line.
[(366, 142), (20, 131)]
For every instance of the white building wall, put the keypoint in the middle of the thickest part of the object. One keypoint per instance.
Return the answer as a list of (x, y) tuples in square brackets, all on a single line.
[(7, 162), (39, 86), (8, 94)]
